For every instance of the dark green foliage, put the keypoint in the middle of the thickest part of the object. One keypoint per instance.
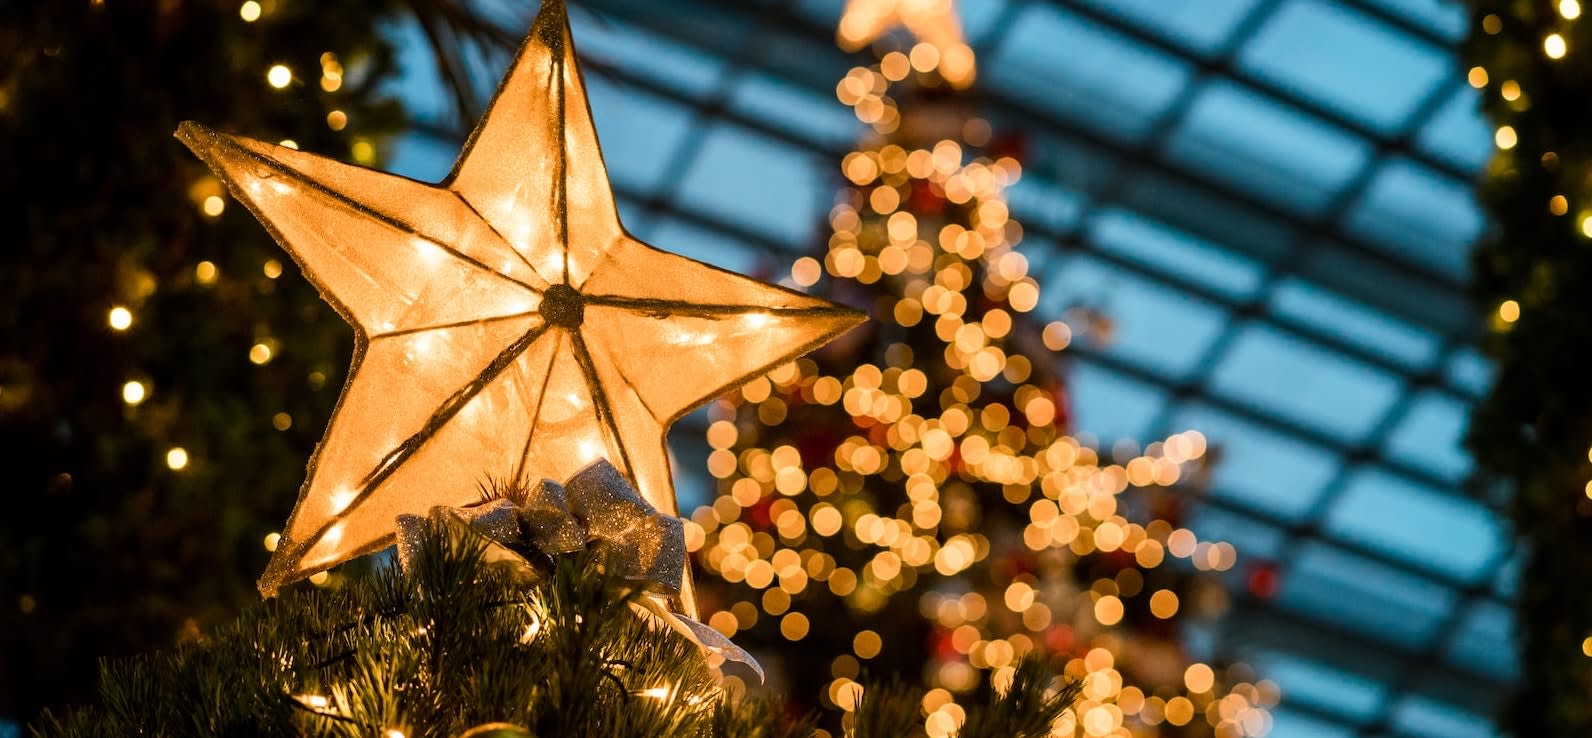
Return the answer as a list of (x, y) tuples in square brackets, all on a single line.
[(1026, 708), (455, 643), (103, 550), (1532, 431), (887, 710)]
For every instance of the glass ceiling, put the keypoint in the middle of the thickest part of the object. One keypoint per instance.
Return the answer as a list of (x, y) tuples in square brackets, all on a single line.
[(1270, 201)]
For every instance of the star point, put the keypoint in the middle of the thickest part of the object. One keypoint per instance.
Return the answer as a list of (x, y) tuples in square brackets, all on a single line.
[(505, 323)]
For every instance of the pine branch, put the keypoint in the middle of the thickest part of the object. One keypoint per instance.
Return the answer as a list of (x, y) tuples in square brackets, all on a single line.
[(888, 710), (1026, 708), (456, 642)]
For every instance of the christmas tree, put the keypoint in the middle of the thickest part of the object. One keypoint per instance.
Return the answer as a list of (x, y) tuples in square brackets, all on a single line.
[(507, 330), (470, 639), (161, 368), (909, 500), (1531, 433)]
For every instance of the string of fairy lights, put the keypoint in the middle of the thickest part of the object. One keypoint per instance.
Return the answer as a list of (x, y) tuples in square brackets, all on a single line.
[(210, 200), (1555, 47), (1506, 138), (1071, 495)]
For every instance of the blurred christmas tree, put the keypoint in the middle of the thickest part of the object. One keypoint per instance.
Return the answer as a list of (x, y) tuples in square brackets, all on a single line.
[(909, 500), (163, 376), (1531, 434)]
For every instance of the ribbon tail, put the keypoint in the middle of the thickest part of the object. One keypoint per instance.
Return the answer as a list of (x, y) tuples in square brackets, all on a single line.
[(704, 636)]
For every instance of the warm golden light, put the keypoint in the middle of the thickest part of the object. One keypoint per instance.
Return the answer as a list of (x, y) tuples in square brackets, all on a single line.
[(923, 230), (249, 11), (1505, 137), (120, 318), (279, 76), (205, 273), (1477, 77), (571, 340), (1199, 678), (177, 458), (133, 392), (1570, 9), (933, 22), (1509, 311), (1554, 46), (1558, 205), (1108, 610), (213, 205)]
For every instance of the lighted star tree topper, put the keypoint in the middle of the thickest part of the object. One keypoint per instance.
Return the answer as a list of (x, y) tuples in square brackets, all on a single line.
[(506, 325)]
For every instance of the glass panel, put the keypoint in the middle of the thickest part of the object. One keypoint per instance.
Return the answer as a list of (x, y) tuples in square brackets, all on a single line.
[(666, 62), (1355, 323), (1387, 604), (1201, 26), (1470, 371), (1428, 718), (1257, 542), (639, 132), (1165, 249), (713, 247), (423, 157), (1108, 406), (1484, 641), (754, 183), (1431, 434), (1038, 202), (1322, 686), (1419, 216), (795, 109), (1302, 47), (1443, 17), (1442, 533), (1278, 474), (1266, 149), (1285, 376), (1507, 581), (1194, 207), (1153, 327), (1290, 724), (1090, 75), (1457, 133)]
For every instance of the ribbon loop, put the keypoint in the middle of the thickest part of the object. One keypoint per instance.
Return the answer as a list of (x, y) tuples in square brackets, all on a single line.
[(596, 506)]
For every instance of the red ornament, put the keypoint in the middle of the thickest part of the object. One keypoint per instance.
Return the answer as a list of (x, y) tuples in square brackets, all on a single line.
[(758, 515), (1264, 581), (924, 199), (1060, 638), (941, 644)]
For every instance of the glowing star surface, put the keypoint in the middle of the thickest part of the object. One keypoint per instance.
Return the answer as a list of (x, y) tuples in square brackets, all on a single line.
[(932, 22), (506, 324)]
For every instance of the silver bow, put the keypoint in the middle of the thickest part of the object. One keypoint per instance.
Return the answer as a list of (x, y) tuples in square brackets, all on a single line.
[(597, 505)]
